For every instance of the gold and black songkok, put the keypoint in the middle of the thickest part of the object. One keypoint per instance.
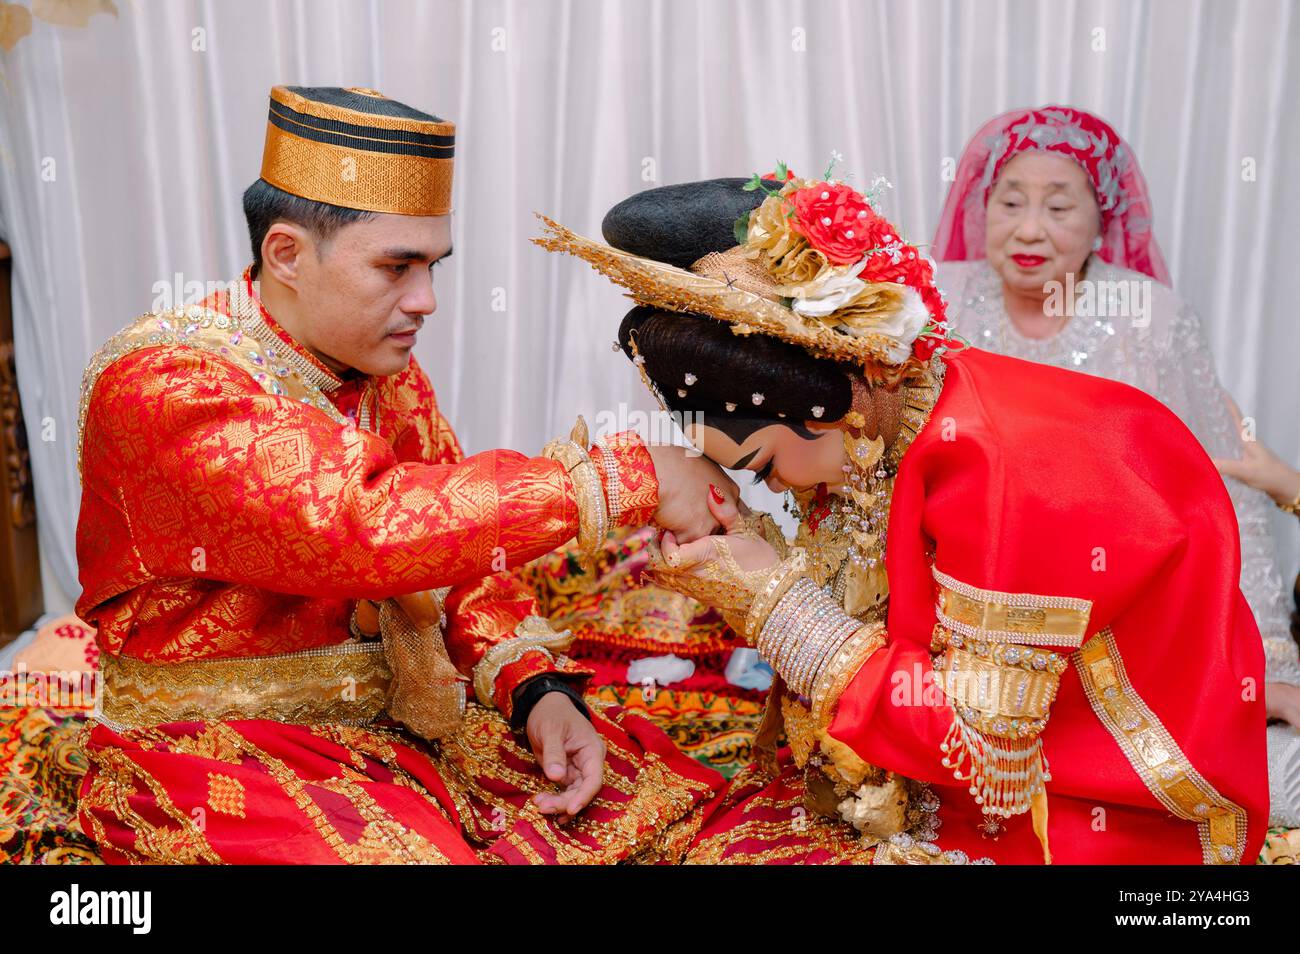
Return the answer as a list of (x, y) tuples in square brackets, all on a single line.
[(357, 149)]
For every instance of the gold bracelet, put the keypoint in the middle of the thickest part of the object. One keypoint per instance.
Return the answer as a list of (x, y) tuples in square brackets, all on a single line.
[(613, 481), (1293, 508), (842, 667), (593, 512), (777, 586), (803, 633), (532, 634)]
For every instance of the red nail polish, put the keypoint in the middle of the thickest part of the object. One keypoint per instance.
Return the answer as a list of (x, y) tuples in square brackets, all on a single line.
[(717, 494)]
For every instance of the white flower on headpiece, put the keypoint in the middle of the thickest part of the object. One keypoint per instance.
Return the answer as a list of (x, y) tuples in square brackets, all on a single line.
[(902, 326), (690, 379), (818, 410), (756, 398), (730, 406), (832, 289), (894, 250)]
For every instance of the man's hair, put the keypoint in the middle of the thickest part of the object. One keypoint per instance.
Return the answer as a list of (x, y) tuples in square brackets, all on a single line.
[(264, 205)]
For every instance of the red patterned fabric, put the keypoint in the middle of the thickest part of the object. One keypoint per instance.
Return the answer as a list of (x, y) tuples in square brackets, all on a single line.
[(221, 520)]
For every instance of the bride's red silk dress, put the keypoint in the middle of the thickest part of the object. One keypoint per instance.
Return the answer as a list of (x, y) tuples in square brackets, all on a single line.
[(1056, 502)]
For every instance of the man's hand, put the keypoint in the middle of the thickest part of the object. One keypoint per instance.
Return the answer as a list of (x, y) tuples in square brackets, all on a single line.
[(750, 552), (684, 478), (569, 750)]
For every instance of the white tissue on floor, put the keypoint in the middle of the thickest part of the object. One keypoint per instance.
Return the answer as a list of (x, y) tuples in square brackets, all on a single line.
[(661, 670)]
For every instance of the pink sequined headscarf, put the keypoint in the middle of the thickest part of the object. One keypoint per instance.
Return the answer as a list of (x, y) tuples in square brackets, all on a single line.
[(1126, 236)]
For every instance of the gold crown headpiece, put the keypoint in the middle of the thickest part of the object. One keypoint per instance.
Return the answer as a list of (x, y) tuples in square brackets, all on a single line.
[(814, 266)]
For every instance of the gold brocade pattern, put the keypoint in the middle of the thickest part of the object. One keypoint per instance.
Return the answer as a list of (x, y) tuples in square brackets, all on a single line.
[(533, 634), (645, 818), (1011, 617), (239, 337), (120, 782), (231, 507), (1155, 756), (350, 171), (347, 683), (226, 794), (774, 827)]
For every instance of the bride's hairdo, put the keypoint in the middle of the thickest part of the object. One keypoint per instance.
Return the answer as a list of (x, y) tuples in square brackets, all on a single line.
[(696, 362), (699, 366)]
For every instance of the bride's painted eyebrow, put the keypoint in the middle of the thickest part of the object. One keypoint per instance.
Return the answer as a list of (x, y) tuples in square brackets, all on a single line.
[(744, 461)]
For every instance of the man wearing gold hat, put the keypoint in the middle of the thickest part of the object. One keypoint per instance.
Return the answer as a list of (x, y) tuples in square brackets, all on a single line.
[(286, 554)]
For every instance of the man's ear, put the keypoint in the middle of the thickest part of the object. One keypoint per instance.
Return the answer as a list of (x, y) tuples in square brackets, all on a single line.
[(283, 248)]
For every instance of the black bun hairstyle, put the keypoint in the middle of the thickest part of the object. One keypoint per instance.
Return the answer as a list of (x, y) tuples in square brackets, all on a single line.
[(684, 352)]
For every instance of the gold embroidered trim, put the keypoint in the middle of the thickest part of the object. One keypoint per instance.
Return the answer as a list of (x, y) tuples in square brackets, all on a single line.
[(427, 693), (1011, 617), (533, 634), (214, 333), (1155, 756), (244, 307), (345, 683)]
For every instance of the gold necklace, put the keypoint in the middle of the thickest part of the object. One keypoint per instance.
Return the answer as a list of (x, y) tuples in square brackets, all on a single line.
[(845, 537)]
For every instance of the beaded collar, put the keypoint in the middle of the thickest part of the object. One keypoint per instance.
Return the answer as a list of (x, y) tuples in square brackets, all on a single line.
[(258, 323)]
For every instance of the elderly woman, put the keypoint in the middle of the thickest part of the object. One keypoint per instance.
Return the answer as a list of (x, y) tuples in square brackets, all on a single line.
[(1046, 253)]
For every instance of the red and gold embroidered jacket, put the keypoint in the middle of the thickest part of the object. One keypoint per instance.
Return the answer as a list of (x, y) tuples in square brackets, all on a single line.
[(232, 506)]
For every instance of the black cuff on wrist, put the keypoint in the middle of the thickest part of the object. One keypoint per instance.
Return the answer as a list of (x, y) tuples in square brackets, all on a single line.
[(531, 692)]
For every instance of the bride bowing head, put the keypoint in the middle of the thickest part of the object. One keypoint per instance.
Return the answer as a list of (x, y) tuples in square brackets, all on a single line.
[(779, 311)]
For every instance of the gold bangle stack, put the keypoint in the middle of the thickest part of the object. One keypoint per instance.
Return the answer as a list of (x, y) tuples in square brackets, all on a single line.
[(805, 630), (765, 600), (612, 481), (840, 669), (593, 512)]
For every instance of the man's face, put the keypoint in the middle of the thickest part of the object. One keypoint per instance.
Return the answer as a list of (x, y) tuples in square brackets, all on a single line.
[(366, 290)]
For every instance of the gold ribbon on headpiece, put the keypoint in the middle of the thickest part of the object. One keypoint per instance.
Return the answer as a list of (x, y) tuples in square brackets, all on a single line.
[(358, 159)]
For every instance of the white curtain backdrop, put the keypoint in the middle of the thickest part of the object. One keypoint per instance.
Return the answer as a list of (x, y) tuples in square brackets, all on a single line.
[(126, 145)]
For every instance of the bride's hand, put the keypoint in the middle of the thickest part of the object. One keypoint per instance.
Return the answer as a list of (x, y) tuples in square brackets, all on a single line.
[(750, 552), (683, 477)]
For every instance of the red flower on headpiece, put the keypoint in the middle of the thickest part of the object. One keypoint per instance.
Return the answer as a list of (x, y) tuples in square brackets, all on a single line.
[(836, 220), (923, 348)]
